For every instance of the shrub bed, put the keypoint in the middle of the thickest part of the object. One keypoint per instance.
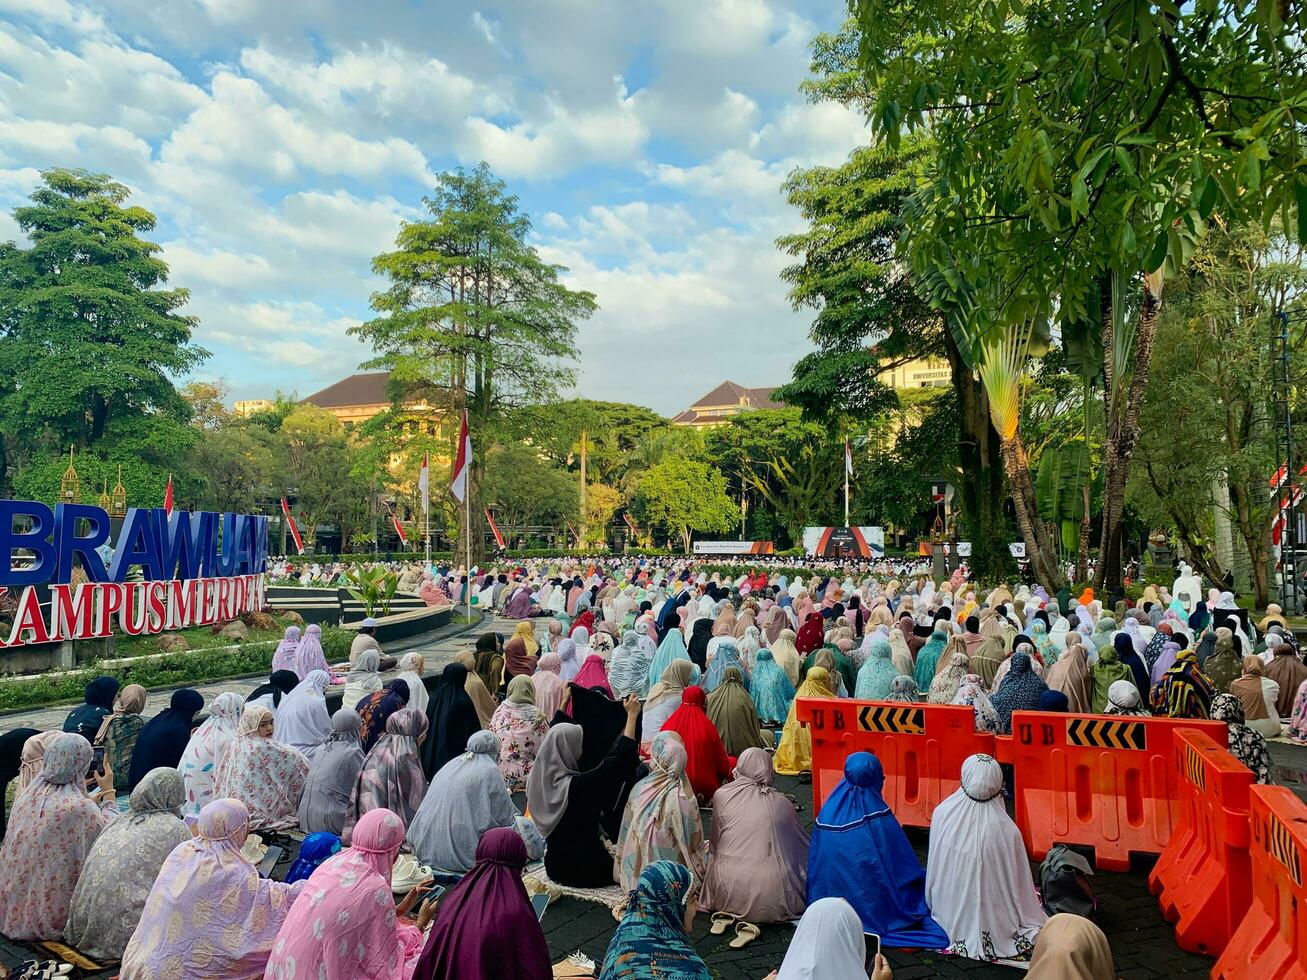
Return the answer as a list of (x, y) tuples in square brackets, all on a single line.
[(213, 657)]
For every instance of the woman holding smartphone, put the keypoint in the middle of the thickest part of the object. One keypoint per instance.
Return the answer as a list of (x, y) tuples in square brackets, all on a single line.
[(829, 944)]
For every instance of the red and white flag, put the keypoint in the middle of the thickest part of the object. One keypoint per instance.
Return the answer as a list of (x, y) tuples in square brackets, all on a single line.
[(848, 458), (424, 485), (399, 530), (494, 528), (167, 496), (462, 462), (294, 531)]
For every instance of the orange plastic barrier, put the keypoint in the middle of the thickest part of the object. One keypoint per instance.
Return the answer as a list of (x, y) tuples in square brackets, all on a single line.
[(1203, 879), (1271, 941), (921, 747), (1104, 781)]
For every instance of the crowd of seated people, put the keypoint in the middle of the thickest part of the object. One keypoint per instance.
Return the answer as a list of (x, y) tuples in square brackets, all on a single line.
[(622, 706)]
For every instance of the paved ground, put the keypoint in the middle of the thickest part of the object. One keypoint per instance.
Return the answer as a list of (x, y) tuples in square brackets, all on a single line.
[(1141, 941)]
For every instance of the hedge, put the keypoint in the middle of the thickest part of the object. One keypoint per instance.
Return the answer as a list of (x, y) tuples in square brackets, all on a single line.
[(172, 670)]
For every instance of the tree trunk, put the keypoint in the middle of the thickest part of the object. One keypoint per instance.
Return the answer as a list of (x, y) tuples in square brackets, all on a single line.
[(1082, 558), (1254, 534), (1039, 549), (99, 417), (982, 490), (1122, 434)]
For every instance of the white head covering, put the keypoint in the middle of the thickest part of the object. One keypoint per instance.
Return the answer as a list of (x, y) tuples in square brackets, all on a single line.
[(417, 691), (978, 882), (303, 721), (827, 945), (1123, 694)]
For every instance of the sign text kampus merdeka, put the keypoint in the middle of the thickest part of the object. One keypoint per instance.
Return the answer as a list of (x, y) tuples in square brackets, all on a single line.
[(195, 569)]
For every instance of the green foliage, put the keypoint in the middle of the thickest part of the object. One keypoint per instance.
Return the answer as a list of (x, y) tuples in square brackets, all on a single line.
[(373, 586), (471, 311), (680, 496), (89, 339), (868, 317), (172, 670), (614, 432), (1072, 140), (146, 448), (1206, 418), (524, 489), (795, 467), (472, 317), (236, 465), (918, 440), (1060, 484), (601, 503), (318, 465)]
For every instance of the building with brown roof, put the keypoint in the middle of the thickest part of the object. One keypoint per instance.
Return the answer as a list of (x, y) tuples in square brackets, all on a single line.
[(355, 399), (722, 402)]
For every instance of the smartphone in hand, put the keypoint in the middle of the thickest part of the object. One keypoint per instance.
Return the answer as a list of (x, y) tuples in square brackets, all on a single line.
[(873, 950)]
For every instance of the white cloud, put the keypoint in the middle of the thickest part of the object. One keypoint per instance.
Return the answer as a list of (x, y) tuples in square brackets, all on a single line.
[(99, 82), (810, 134), (35, 141), (281, 146), (241, 128), (388, 82), (59, 13), (611, 134)]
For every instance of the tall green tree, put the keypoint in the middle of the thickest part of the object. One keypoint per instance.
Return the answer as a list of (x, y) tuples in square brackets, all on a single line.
[(1078, 152), (89, 338), (473, 319), (613, 430), (318, 464), (1207, 416), (680, 496), (869, 315), (524, 489), (794, 467)]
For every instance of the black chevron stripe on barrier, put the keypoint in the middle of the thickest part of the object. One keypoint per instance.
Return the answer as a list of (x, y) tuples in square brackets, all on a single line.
[(1284, 849), (902, 721), (1194, 769), (1100, 733)]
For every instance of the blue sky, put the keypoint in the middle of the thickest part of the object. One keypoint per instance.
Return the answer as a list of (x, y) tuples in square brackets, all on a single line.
[(281, 143)]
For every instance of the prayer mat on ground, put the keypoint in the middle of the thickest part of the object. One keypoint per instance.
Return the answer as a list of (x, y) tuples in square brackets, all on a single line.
[(536, 880)]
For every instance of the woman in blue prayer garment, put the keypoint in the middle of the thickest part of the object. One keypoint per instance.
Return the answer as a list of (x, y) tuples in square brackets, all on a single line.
[(859, 853)]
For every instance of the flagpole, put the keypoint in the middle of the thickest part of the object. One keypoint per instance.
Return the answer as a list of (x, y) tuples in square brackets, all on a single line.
[(846, 497), (467, 524), (848, 465)]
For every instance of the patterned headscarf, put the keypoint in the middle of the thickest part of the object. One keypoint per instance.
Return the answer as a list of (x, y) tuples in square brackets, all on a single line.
[(971, 692), (904, 688), (651, 941), (201, 754), (284, 656), (391, 777), (628, 670), (263, 774), (1246, 745), (946, 683), (1019, 691), (351, 892), (662, 821), (1184, 691), (209, 915), (122, 866), (50, 832)]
